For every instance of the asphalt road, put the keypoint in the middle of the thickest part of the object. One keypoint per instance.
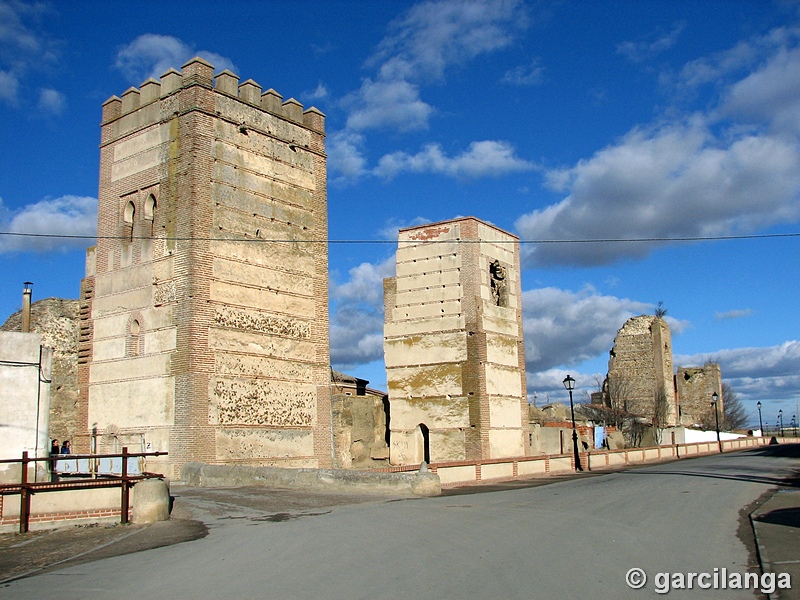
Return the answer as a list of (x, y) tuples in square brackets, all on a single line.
[(575, 538)]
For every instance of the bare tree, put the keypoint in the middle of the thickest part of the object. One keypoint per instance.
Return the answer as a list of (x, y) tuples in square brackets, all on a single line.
[(659, 420), (660, 312), (734, 416)]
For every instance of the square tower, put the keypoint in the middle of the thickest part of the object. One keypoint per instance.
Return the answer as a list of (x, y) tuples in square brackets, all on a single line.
[(640, 379), (453, 344), (205, 305)]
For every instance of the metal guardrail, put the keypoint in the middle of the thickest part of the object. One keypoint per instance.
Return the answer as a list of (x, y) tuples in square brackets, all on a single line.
[(93, 479)]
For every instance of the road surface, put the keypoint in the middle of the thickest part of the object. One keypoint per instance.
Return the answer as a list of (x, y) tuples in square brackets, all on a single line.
[(570, 539)]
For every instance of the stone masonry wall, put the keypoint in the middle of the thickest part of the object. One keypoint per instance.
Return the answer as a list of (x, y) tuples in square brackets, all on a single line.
[(640, 367)]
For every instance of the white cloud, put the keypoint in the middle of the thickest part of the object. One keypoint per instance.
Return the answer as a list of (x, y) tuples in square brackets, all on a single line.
[(357, 315), (488, 158), (391, 104), (732, 170), (645, 49), (345, 155), (769, 373), (151, 55), (562, 327), (23, 47), (437, 34), (319, 93), (719, 67), (67, 215), (51, 101), (9, 87), (673, 180), (770, 94), (431, 37), (531, 74)]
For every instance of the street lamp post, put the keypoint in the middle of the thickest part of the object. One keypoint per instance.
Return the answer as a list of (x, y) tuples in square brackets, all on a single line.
[(780, 420), (569, 383), (794, 425), (760, 422), (715, 397)]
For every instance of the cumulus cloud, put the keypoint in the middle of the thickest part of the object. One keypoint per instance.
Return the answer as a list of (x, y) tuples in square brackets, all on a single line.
[(490, 158), (669, 181), (388, 105), (44, 221), (346, 155), (357, 315), (429, 38), (732, 170), (592, 320), (770, 373), (151, 55)]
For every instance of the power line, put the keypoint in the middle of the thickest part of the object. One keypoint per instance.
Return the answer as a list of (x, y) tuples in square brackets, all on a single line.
[(707, 238)]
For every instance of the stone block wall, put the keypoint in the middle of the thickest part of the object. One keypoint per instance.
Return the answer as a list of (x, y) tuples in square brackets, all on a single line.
[(207, 301), (695, 387), (640, 368), (453, 344)]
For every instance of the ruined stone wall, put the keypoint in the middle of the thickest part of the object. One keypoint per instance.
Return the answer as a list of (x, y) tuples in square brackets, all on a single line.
[(453, 344), (359, 431), (56, 320), (640, 368), (208, 294), (695, 387)]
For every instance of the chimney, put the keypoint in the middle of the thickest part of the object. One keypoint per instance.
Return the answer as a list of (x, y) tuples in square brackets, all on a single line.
[(26, 307)]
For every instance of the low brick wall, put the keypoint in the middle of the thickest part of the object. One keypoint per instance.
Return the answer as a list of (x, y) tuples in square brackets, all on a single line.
[(458, 473)]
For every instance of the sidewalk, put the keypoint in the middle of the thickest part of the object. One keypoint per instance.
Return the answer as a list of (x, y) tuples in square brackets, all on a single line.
[(776, 524)]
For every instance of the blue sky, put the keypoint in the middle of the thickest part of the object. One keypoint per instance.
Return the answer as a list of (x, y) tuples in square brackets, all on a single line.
[(674, 125)]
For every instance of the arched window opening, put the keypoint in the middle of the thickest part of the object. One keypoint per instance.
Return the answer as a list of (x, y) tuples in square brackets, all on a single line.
[(134, 338), (150, 207), (128, 214)]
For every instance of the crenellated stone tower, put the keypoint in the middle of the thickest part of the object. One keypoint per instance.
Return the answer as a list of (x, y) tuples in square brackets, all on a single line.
[(205, 304), (453, 344)]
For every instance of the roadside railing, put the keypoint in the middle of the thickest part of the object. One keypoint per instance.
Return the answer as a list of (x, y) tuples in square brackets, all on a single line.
[(77, 479)]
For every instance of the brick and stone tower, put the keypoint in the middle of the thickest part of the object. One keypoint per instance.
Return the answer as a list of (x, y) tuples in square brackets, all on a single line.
[(453, 344), (640, 374), (205, 305)]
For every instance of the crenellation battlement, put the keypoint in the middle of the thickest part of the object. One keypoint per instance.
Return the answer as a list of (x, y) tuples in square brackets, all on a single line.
[(250, 92), (130, 100), (227, 83), (293, 110), (112, 108), (271, 101), (199, 72), (150, 91), (170, 82)]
